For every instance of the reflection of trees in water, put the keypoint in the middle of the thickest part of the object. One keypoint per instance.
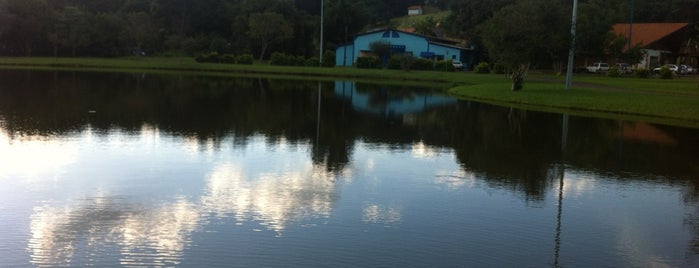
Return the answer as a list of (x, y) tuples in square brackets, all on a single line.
[(691, 198), (514, 149)]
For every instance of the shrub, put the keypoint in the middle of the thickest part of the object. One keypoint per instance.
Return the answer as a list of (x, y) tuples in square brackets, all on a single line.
[(482, 68), (208, 57), (614, 72), (228, 58), (394, 62), (329, 58), (423, 64), (244, 59), (278, 58), (641, 73), (406, 62), (444, 66), (299, 60), (499, 69), (368, 63), (312, 61), (666, 73)]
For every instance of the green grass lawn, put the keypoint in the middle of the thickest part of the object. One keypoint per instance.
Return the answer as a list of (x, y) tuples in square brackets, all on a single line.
[(674, 101)]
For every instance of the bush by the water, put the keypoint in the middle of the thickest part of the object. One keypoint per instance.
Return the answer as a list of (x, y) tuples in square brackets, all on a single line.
[(613, 72), (282, 59), (214, 57), (329, 58), (499, 69), (482, 68), (244, 59), (368, 63), (666, 73), (641, 73), (210, 57), (406, 62)]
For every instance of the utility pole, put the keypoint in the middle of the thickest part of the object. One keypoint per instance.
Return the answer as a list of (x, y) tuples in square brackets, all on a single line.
[(571, 52), (631, 23), (322, 12)]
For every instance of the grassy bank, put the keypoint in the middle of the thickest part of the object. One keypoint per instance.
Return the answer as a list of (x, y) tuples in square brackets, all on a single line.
[(676, 106), (673, 101), (189, 65)]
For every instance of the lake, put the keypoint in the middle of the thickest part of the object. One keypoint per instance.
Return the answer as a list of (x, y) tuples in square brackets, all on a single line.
[(131, 169)]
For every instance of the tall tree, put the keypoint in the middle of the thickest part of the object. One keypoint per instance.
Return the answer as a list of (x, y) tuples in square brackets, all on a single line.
[(519, 35), (595, 20), (339, 25), (25, 23), (73, 28), (267, 28), (467, 15)]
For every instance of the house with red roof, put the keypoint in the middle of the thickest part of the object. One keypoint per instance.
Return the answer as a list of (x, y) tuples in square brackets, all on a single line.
[(415, 10), (662, 42)]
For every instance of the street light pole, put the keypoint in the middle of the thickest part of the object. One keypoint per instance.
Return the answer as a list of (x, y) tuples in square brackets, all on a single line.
[(571, 52), (320, 61), (631, 23)]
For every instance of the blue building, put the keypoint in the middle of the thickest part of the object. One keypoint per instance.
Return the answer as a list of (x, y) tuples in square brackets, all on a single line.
[(399, 106), (419, 46)]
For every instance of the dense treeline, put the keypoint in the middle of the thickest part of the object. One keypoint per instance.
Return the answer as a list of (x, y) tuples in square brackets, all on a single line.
[(260, 27), (182, 27), (595, 18)]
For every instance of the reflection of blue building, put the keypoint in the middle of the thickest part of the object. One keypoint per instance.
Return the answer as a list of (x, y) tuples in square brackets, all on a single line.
[(401, 42), (381, 102)]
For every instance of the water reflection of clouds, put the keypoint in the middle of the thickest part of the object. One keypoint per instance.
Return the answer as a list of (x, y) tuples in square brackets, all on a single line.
[(34, 156), (457, 179), (273, 199), (378, 214), (89, 229), (282, 190), (578, 183)]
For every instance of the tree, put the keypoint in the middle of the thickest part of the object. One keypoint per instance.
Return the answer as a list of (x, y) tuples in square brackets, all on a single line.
[(595, 20), (25, 22), (72, 28), (267, 28), (521, 34), (338, 25), (467, 15), (140, 29), (382, 49)]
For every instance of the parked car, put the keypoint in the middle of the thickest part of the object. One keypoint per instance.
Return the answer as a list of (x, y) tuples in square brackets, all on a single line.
[(457, 65), (598, 67), (674, 68), (624, 68), (687, 69)]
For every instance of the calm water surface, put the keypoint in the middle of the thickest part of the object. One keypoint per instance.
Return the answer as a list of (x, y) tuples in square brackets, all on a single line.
[(166, 170)]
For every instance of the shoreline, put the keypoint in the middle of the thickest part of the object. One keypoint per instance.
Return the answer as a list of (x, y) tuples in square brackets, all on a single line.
[(673, 102)]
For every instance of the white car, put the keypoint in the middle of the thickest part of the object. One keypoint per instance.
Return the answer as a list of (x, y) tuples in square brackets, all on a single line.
[(674, 68), (598, 67), (688, 69), (457, 65)]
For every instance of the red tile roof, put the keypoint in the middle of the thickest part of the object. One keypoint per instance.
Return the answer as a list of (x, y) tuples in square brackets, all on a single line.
[(647, 33)]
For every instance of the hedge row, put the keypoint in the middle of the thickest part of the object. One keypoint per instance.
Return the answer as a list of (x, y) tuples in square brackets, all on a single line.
[(405, 63), (214, 57), (283, 59)]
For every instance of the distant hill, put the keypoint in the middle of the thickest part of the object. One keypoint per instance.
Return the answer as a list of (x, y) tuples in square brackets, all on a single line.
[(429, 23)]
